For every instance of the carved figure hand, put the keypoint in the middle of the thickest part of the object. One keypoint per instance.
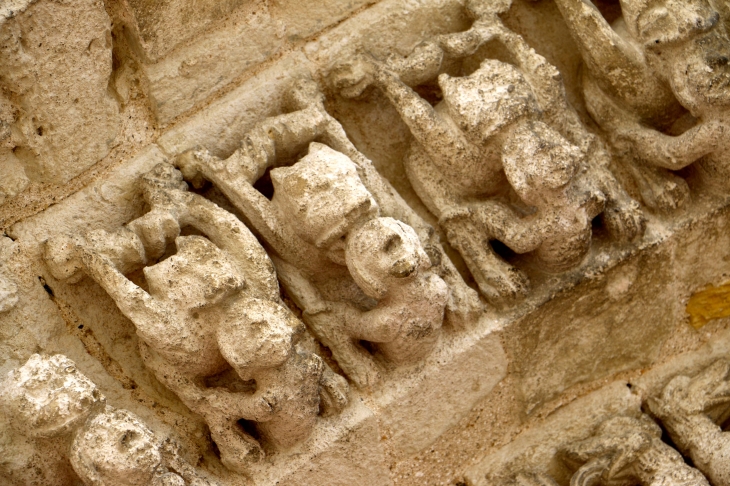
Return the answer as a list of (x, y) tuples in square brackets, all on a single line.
[(461, 44), (259, 407), (354, 76), (333, 392), (195, 163), (156, 229), (304, 93), (63, 259)]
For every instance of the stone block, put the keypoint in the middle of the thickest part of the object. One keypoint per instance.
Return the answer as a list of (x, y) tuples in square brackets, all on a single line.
[(416, 405), (157, 27), (342, 451), (55, 65), (616, 311), (255, 33), (219, 128)]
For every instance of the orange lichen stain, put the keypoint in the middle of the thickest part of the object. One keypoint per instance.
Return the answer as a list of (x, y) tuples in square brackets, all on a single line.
[(708, 304)]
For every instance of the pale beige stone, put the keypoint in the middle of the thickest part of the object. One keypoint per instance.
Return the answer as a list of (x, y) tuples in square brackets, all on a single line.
[(583, 111), (49, 398), (56, 62), (194, 292)]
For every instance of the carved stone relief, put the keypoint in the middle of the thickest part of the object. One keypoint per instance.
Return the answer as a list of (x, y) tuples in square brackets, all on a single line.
[(356, 275), (212, 311), (661, 106), (60, 419), (276, 291), (501, 126), (690, 409)]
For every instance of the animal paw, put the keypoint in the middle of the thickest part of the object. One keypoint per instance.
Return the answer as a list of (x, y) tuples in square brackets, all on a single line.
[(624, 221), (334, 393), (351, 78)]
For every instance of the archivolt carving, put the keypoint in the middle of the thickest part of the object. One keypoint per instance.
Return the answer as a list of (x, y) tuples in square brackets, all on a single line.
[(503, 126), (212, 310), (61, 419), (690, 409), (340, 238), (628, 450), (657, 81)]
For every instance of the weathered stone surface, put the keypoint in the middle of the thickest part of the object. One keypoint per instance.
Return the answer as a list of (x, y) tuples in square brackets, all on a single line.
[(417, 405), (55, 66), (298, 128), (257, 32), (535, 450)]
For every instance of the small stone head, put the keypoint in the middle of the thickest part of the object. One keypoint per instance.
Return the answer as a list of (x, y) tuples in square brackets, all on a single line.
[(322, 195), (538, 161), (262, 337), (657, 23), (382, 253), (198, 275), (48, 396), (115, 448), (491, 98)]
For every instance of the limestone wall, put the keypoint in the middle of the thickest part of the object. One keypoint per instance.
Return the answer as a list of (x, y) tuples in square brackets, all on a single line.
[(189, 192)]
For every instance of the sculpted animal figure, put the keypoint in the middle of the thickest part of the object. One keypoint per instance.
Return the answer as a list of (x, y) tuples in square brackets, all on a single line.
[(690, 409), (319, 202), (503, 126), (49, 400), (626, 451), (643, 73), (212, 307), (386, 260)]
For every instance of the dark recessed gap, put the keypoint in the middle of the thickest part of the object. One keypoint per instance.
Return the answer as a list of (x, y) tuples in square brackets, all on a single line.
[(45, 286), (502, 250), (249, 427), (430, 92), (368, 346), (265, 186)]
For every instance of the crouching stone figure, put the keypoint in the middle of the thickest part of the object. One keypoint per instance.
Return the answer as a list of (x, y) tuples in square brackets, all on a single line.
[(61, 419), (503, 125), (212, 310), (356, 274)]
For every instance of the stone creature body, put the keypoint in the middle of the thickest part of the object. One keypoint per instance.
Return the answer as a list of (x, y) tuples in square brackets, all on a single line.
[(501, 126), (211, 307)]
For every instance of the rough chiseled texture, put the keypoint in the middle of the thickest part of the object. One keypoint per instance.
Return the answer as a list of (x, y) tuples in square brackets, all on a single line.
[(501, 127), (55, 70), (372, 242)]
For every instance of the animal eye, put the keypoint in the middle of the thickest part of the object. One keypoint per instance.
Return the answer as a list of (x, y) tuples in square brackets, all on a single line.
[(128, 438), (391, 243)]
